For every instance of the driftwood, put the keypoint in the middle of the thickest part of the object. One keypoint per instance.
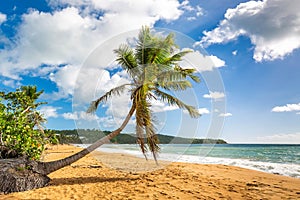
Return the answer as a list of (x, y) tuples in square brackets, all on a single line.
[(20, 174)]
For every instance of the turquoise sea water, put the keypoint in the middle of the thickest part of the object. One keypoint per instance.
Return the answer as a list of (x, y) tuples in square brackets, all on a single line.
[(273, 158), (253, 152)]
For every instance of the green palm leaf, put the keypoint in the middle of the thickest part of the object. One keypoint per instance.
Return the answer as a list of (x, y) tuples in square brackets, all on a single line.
[(115, 91), (175, 101), (175, 85), (126, 58)]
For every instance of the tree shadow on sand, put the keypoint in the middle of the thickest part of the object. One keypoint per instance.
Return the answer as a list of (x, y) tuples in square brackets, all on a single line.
[(84, 180)]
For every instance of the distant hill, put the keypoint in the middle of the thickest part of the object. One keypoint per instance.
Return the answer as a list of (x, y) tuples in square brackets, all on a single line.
[(87, 136)]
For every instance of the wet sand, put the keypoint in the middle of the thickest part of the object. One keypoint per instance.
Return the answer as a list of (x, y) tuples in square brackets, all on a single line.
[(120, 176)]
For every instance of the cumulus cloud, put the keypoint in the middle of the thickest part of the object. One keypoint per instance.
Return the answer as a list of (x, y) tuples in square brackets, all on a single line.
[(55, 45), (201, 62), (49, 111), (214, 95), (2, 18), (217, 61), (193, 12), (287, 108), (80, 116), (158, 106), (202, 111), (68, 34), (11, 83), (164, 9), (273, 27), (290, 138), (65, 79), (225, 115)]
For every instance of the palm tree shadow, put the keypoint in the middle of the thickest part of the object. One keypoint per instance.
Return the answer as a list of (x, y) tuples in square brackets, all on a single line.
[(84, 180)]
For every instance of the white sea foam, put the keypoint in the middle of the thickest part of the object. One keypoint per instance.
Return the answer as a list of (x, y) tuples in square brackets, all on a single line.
[(292, 170), (286, 169)]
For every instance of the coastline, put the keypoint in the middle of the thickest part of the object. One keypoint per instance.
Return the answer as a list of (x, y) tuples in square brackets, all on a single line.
[(135, 178)]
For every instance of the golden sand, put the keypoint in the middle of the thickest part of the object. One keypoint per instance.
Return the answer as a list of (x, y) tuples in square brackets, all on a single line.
[(89, 178)]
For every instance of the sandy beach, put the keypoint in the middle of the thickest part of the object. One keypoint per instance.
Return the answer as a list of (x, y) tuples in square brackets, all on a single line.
[(136, 178)]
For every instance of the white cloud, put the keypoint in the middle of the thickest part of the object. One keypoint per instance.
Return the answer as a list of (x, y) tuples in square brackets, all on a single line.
[(273, 27), (80, 116), (112, 122), (55, 45), (65, 79), (202, 111), (159, 106), (217, 61), (214, 95), (71, 116), (191, 18), (49, 111), (287, 108), (290, 138), (234, 52), (2, 18), (107, 122), (193, 12), (201, 62), (225, 115), (11, 83), (163, 9), (67, 35)]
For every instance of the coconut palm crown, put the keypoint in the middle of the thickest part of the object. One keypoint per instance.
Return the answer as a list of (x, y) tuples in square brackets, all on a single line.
[(153, 67)]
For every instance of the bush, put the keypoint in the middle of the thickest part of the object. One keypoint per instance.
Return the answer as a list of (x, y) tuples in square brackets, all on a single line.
[(21, 131)]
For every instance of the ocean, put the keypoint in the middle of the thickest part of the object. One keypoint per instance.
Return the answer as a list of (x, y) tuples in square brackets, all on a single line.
[(272, 158)]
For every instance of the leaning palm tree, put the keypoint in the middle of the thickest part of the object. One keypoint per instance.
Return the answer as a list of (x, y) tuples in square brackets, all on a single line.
[(154, 72)]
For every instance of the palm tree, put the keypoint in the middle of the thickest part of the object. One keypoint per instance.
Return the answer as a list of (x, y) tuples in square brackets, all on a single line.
[(154, 72)]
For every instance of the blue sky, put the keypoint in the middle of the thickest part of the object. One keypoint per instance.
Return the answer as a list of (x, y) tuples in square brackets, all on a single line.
[(253, 85)]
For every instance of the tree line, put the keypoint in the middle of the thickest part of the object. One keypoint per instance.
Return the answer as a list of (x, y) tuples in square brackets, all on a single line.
[(88, 136)]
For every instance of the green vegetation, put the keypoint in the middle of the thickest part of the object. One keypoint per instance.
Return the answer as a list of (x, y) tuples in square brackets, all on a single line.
[(90, 136), (21, 131)]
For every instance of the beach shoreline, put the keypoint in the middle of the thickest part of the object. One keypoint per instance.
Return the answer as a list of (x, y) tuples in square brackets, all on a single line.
[(121, 176)]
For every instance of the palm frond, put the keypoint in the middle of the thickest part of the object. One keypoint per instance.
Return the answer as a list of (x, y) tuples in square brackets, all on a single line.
[(188, 73), (162, 49), (115, 91), (143, 45), (127, 60), (175, 85), (140, 117), (140, 137), (193, 112), (152, 140), (170, 75), (176, 57), (144, 123)]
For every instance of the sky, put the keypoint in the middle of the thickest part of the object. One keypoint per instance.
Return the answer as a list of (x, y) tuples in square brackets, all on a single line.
[(247, 54)]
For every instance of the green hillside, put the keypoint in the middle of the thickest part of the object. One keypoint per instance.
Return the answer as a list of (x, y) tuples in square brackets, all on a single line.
[(88, 136)]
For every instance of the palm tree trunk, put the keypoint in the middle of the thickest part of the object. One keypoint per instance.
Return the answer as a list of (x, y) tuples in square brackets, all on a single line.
[(48, 167)]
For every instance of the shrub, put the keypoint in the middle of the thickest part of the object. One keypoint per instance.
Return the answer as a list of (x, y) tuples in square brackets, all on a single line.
[(21, 130)]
